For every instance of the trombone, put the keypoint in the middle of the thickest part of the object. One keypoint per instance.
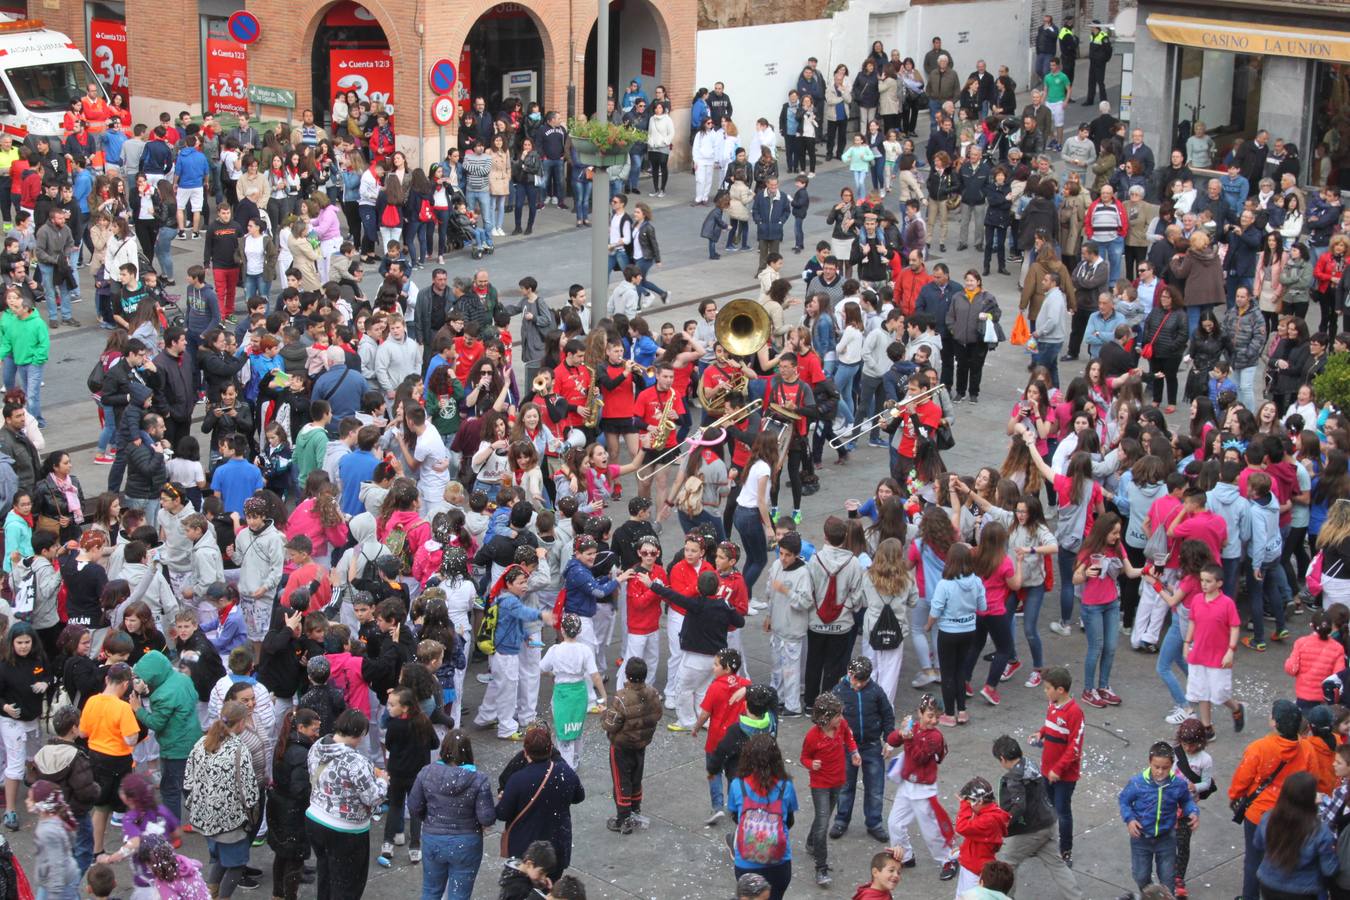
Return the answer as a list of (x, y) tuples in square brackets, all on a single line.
[(694, 441), (856, 430)]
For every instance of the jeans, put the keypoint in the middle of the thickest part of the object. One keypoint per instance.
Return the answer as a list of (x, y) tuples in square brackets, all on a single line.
[(716, 794), (995, 238), (1146, 852), (635, 158), (525, 196), (1114, 252), (1269, 592), (164, 250), (29, 378), (823, 803), (1193, 314), (1067, 559), (798, 232), (54, 293), (1047, 354), (370, 226), (1231, 282), (1031, 626), (480, 201), (844, 374), (582, 190), (874, 786), (172, 772), (149, 507), (646, 285), (688, 523), (450, 865), (1246, 382), (554, 171), (1169, 655), (1251, 861), (712, 250), (860, 183), (84, 842), (105, 435), (255, 286), (870, 397), (1101, 621), (1061, 798), (753, 541), (618, 260)]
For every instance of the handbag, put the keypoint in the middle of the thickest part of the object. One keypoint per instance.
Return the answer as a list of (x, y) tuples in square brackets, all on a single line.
[(1313, 580), (506, 832), (1146, 352), (944, 438)]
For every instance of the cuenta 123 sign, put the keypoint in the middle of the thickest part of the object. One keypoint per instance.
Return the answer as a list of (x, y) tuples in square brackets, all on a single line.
[(271, 96)]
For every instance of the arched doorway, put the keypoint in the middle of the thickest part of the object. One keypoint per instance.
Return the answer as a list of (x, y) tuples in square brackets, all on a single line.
[(503, 57), (638, 49), (350, 52)]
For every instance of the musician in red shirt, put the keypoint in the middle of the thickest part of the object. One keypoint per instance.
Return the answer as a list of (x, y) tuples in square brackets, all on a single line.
[(618, 392), (572, 381), (732, 589), (913, 422), (651, 404), (725, 368), (788, 392)]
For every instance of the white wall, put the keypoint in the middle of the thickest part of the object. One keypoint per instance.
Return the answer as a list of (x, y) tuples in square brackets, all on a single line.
[(760, 64), (639, 32)]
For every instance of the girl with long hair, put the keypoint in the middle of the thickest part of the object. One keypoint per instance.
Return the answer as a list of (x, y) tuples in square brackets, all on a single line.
[(410, 738), (887, 585), (1034, 547), (1002, 579), (1079, 500), (752, 519), (1098, 565), (1333, 540), (224, 789), (927, 556), (763, 779), (24, 680), (956, 602), (318, 516), (1298, 851), (288, 798)]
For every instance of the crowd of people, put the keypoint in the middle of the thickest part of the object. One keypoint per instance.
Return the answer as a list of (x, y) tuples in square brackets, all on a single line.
[(260, 629)]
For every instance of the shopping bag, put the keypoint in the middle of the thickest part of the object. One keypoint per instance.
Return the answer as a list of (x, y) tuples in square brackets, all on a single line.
[(1020, 332)]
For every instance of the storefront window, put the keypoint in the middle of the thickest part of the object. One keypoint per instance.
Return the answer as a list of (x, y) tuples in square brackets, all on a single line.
[(1331, 126), (1223, 90)]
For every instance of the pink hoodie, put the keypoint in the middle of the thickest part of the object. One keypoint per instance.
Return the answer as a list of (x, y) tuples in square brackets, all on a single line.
[(345, 672), (305, 520), (415, 527)]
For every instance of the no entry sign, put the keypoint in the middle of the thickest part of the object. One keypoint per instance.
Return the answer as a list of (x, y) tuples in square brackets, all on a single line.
[(442, 76), (243, 27), (443, 110)]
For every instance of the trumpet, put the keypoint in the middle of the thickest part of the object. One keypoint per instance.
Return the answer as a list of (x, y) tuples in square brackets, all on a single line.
[(694, 441), (637, 368), (889, 408)]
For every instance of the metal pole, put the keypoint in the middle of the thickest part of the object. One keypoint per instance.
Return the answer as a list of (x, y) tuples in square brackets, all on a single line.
[(441, 144), (600, 184)]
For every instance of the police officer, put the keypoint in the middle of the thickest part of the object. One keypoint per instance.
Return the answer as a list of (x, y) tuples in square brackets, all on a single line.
[(1099, 51), (1068, 47)]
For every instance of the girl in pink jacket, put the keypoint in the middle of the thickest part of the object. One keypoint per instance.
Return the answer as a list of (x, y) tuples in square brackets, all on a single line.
[(1313, 658)]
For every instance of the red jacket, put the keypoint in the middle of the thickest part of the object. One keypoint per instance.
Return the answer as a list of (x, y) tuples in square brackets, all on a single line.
[(644, 606), (907, 283), (684, 580), (734, 591), (1327, 270), (924, 751), (1092, 207), (831, 751), (1062, 740), (983, 830)]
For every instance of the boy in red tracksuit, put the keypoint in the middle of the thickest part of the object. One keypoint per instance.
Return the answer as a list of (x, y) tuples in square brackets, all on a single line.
[(827, 742), (916, 797), (983, 824), (644, 607), (732, 589), (722, 705), (1061, 743)]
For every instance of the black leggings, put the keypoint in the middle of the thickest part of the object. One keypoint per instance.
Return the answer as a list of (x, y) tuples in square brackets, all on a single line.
[(660, 169), (1168, 367), (826, 662), (807, 160), (952, 652), (834, 139), (393, 820), (909, 117), (1133, 257), (286, 875), (1078, 327), (796, 454), (1295, 557), (1326, 303), (969, 366)]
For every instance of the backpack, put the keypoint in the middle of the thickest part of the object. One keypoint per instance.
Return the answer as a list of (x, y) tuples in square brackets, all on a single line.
[(485, 639), (761, 833), (391, 216), (829, 608), (689, 500), (396, 542), (425, 212), (886, 633), (94, 380)]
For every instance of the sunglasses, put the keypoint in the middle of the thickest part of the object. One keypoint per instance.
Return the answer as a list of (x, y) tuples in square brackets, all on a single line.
[(648, 553)]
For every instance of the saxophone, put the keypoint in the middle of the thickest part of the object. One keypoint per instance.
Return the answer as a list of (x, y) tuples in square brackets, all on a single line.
[(666, 425), (590, 416)]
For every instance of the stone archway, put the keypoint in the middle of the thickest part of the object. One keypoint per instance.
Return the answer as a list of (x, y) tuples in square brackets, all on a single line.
[(640, 48)]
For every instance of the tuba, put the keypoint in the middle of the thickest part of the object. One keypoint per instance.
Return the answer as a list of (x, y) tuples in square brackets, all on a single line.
[(742, 328)]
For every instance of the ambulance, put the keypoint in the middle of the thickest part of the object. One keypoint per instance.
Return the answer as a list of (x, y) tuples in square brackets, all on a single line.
[(41, 71)]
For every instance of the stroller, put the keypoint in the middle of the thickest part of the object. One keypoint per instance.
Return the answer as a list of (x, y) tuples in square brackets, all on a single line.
[(462, 230)]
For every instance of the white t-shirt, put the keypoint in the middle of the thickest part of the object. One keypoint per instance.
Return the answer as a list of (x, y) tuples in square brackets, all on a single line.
[(494, 467), (185, 472), (749, 495), (569, 662), (430, 451), (255, 254)]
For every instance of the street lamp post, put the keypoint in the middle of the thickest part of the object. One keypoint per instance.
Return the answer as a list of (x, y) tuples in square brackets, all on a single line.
[(600, 184)]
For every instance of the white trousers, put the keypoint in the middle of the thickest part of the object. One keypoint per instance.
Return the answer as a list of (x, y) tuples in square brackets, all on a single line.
[(885, 667), (529, 683), (920, 803), (570, 751), (966, 880), (695, 676), (504, 697), (1149, 617), (735, 642), (647, 646), (703, 180), (21, 741), (674, 622), (918, 638), (787, 670), (604, 631), (587, 636)]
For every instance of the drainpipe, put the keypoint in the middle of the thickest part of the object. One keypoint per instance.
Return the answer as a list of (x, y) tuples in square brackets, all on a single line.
[(421, 88)]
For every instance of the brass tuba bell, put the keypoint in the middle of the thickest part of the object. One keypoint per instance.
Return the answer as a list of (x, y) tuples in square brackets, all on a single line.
[(742, 327)]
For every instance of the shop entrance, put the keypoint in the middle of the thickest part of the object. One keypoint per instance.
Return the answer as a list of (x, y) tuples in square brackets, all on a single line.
[(503, 57), (351, 53)]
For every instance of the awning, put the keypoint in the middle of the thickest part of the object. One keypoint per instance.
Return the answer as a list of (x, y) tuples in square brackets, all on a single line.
[(1262, 40)]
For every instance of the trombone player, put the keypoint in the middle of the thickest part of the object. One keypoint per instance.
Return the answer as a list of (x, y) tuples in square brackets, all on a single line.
[(791, 404), (916, 418)]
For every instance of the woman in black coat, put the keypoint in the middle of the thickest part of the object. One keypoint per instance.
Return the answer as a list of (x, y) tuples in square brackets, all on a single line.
[(1165, 329), (997, 218), (51, 497), (288, 798), (549, 816), (1206, 348), (866, 93), (1290, 363), (1040, 214)]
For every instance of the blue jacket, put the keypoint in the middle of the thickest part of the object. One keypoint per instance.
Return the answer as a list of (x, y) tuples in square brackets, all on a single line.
[(113, 139), (1243, 249), (157, 158), (867, 712), (1235, 192), (955, 603), (1101, 331), (512, 614), (1225, 501), (934, 301), (191, 167), (584, 589), (1153, 805), (770, 214), (697, 113), (1321, 218), (227, 635), (1316, 861)]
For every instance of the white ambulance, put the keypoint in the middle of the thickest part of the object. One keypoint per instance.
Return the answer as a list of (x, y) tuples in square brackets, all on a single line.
[(41, 71)]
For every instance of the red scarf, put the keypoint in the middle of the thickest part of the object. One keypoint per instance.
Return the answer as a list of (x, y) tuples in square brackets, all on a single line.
[(224, 613)]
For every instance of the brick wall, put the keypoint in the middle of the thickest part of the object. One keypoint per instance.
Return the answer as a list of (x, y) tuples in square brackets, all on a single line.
[(164, 57)]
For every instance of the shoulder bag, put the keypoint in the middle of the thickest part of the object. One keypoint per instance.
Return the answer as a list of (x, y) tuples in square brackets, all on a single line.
[(506, 833), (1242, 804), (1146, 351)]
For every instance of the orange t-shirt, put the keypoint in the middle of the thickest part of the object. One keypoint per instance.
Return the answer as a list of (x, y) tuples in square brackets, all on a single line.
[(108, 721)]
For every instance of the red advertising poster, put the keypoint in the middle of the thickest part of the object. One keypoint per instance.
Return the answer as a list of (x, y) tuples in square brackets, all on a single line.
[(226, 76), (368, 72), (648, 62), (108, 55), (463, 87)]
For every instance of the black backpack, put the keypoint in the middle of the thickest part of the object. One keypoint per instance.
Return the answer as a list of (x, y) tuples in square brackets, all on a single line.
[(886, 633)]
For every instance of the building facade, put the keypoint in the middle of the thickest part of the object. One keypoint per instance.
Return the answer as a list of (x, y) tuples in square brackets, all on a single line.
[(175, 56), (1243, 65)]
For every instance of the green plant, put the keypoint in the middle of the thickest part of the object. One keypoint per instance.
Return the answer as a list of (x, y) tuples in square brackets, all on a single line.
[(604, 135), (1333, 385)]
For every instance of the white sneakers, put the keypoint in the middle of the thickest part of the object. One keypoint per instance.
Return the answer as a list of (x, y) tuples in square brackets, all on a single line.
[(1060, 629), (1178, 715)]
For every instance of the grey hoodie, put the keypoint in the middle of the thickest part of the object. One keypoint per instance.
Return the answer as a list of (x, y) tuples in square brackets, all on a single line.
[(848, 587), (344, 790), (395, 361), (1225, 501), (158, 595), (207, 566), (176, 551), (790, 610), (1140, 498), (260, 557)]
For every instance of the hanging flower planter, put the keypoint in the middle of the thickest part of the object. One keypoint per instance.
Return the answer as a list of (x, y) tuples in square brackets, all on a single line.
[(591, 154), (600, 143)]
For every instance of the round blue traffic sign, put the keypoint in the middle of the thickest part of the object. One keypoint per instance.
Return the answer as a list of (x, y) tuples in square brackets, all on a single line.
[(442, 76), (243, 27)]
